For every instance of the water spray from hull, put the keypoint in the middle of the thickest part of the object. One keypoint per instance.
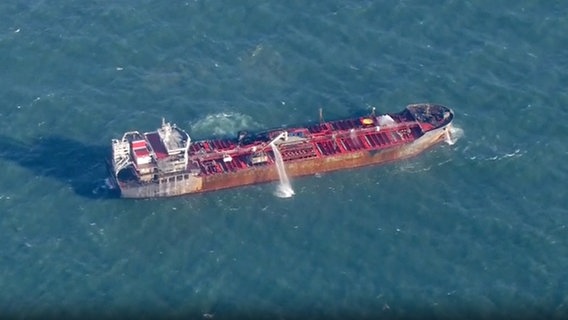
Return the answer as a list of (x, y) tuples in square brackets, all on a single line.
[(453, 134), (284, 189)]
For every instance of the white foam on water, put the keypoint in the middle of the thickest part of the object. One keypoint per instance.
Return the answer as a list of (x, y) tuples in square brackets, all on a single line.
[(502, 156), (223, 124), (102, 187), (453, 134), (283, 191)]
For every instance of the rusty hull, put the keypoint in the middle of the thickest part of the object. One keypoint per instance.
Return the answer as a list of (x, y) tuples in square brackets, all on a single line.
[(312, 166)]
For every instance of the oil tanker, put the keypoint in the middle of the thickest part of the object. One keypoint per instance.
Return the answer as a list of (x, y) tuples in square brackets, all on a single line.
[(166, 162)]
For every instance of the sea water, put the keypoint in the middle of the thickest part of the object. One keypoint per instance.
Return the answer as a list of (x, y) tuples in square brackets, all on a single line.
[(478, 228)]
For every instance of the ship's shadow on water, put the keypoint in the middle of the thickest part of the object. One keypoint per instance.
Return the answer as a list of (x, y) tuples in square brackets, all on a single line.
[(75, 164)]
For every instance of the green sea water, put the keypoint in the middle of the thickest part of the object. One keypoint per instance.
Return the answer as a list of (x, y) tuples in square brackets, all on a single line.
[(477, 229)]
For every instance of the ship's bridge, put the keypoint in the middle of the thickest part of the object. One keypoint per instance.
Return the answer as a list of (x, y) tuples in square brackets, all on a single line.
[(169, 140), (170, 146), (174, 139)]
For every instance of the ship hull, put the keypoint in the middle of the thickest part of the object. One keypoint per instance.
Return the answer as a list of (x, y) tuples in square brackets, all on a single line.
[(188, 184)]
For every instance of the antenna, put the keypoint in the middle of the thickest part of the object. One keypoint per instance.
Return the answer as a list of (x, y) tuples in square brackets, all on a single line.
[(321, 115), (373, 111)]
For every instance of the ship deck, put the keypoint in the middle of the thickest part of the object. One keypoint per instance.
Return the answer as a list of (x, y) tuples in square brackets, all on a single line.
[(223, 156)]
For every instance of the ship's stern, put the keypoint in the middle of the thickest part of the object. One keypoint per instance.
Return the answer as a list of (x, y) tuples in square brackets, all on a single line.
[(111, 182)]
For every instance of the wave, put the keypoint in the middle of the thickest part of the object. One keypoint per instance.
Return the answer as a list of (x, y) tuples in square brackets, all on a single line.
[(515, 154)]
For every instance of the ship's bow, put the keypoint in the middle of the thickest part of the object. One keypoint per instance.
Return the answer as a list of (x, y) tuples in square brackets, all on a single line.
[(434, 120), (431, 116)]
